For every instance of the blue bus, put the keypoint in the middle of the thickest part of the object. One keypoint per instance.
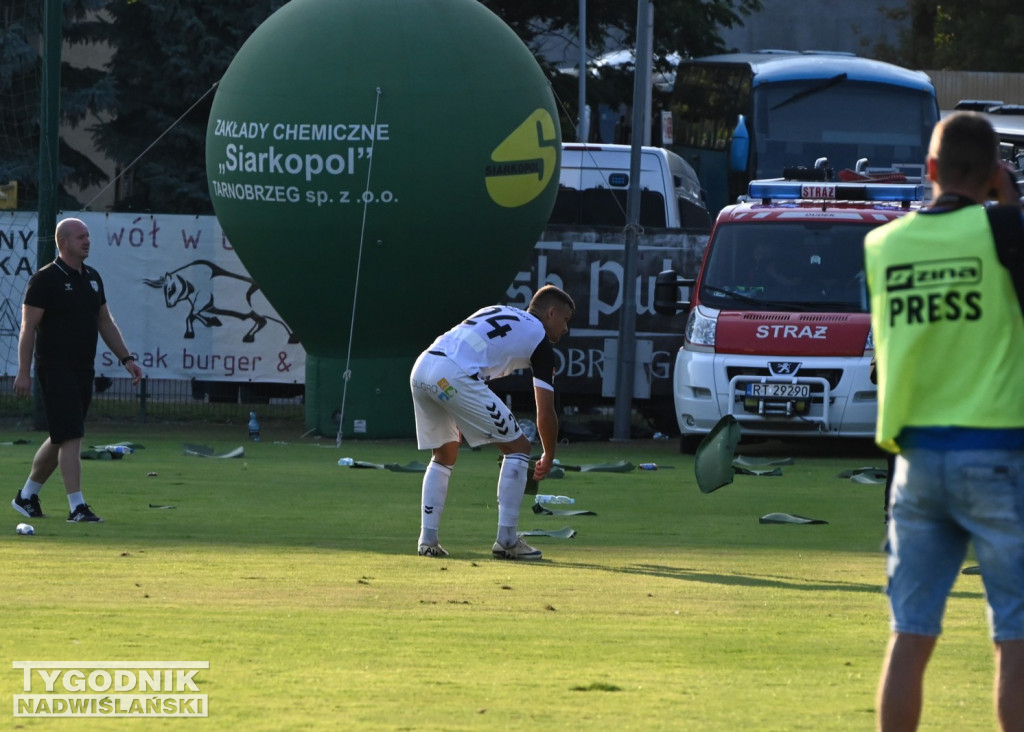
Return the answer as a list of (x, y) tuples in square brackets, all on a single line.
[(746, 116)]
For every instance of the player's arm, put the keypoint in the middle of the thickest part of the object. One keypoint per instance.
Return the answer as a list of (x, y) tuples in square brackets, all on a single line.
[(31, 316), (111, 335), (547, 428), (543, 363)]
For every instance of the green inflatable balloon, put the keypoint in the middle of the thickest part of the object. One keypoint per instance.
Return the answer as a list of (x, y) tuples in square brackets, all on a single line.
[(395, 159)]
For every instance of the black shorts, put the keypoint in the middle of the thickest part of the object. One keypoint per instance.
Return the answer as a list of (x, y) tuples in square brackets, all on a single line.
[(66, 397)]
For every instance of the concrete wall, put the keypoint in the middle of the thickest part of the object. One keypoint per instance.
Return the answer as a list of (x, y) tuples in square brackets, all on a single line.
[(859, 26), (952, 86), (856, 26)]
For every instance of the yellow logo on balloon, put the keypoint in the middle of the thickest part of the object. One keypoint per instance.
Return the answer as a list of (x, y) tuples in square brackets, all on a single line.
[(523, 164)]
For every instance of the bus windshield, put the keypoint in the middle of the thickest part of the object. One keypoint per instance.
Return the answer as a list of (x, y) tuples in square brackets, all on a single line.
[(797, 122)]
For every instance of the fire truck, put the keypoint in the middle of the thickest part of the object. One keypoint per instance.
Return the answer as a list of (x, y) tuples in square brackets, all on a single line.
[(778, 330)]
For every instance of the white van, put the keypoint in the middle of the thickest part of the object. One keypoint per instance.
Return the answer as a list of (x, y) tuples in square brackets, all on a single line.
[(595, 179), (582, 251)]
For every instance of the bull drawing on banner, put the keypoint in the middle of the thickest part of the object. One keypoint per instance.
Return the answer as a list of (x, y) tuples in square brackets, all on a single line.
[(194, 283)]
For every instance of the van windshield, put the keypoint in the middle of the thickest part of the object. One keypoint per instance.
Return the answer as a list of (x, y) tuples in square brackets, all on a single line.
[(775, 265), (800, 121)]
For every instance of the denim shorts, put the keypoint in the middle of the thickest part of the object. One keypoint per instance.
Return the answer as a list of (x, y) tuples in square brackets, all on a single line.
[(942, 501)]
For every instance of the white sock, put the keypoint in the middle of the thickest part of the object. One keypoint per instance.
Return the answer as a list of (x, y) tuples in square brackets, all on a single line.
[(31, 489), (507, 536), (511, 487), (75, 500), (435, 492)]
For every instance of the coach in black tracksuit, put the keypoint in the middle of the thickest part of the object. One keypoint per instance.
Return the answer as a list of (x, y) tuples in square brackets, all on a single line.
[(65, 309)]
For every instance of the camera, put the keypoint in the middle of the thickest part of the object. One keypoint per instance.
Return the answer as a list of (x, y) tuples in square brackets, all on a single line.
[(1014, 183)]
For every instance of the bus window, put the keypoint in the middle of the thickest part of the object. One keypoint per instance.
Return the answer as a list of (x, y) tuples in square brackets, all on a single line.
[(798, 107), (708, 100), (841, 122)]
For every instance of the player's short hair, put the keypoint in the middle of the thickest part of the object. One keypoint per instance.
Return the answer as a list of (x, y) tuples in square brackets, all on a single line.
[(965, 149), (549, 295)]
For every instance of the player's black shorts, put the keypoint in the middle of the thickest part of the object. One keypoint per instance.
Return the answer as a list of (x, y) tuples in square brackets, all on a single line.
[(67, 394)]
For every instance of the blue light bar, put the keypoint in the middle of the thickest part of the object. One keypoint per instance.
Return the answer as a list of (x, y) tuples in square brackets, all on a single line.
[(788, 190)]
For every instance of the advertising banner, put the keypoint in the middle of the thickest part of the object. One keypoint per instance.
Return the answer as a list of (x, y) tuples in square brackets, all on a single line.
[(177, 290)]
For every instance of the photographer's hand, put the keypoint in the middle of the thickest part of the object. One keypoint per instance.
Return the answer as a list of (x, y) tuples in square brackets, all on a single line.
[(1004, 182)]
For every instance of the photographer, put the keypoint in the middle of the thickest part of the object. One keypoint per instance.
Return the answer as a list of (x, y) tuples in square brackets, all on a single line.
[(949, 342)]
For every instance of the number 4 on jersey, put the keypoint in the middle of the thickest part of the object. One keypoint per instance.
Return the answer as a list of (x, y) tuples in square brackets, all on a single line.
[(499, 329)]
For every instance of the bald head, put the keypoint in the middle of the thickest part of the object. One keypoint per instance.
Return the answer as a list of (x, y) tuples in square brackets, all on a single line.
[(72, 237), (66, 229)]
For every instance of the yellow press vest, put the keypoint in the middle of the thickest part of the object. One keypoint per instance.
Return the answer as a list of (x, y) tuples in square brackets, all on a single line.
[(948, 329)]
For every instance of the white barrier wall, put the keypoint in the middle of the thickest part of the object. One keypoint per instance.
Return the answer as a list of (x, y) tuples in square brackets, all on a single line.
[(184, 301)]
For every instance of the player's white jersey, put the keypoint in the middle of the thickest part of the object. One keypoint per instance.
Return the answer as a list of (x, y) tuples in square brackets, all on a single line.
[(493, 342)]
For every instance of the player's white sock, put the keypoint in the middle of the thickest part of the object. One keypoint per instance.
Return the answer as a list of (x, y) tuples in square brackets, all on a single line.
[(31, 488), (434, 494), (75, 499), (511, 487)]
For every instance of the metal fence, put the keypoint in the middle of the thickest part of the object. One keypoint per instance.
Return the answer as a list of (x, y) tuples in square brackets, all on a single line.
[(172, 400)]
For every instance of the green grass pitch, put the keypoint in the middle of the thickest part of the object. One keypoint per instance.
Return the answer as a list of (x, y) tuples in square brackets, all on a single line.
[(298, 581)]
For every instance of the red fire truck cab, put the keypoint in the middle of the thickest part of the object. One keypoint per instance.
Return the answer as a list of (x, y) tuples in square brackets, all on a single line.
[(778, 333)]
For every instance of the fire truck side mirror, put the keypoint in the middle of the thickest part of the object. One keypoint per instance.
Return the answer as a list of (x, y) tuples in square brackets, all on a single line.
[(669, 295)]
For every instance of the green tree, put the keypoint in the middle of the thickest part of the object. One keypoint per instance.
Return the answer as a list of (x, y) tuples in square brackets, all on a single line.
[(169, 55), (965, 35), (686, 27), (84, 94)]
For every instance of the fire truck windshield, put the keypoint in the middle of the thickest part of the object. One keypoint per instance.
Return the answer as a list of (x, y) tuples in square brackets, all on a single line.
[(787, 266)]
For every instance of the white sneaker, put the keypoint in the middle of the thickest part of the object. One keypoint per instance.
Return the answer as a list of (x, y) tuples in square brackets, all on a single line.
[(432, 550), (520, 550)]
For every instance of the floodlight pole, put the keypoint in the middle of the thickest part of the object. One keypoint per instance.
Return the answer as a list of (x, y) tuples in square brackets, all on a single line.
[(49, 131), (626, 361), (49, 142), (582, 126), (648, 73)]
